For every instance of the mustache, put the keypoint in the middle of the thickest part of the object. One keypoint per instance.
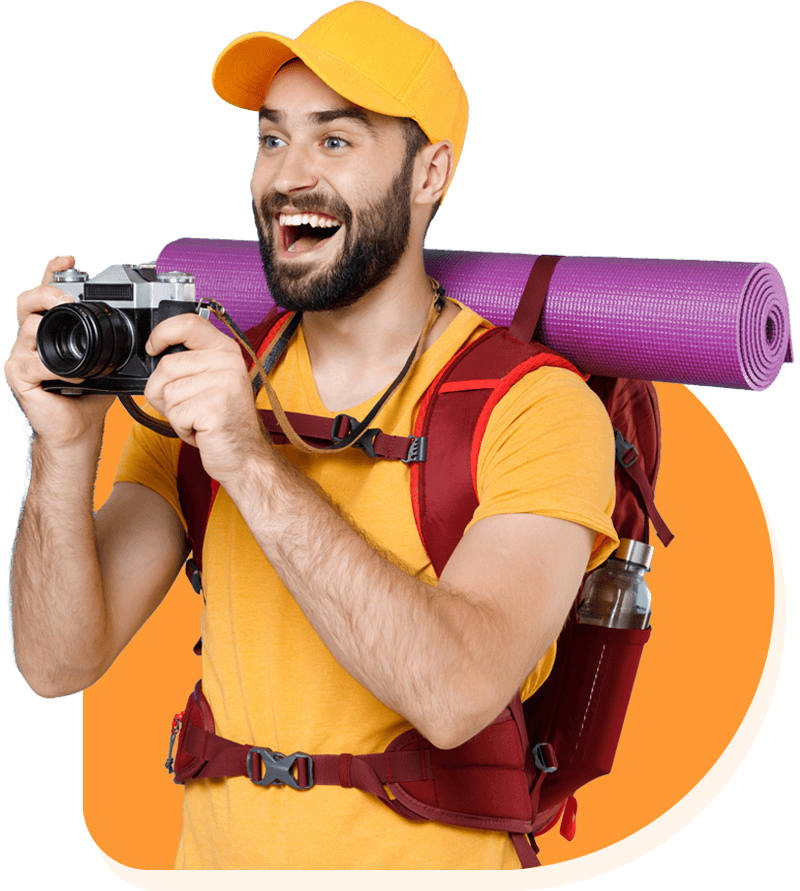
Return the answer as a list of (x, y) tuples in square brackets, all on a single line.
[(272, 203)]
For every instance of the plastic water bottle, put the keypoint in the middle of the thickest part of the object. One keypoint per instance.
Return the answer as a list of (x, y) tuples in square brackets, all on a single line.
[(615, 594)]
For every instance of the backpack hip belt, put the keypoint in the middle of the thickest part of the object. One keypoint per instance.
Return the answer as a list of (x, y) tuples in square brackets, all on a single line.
[(425, 783)]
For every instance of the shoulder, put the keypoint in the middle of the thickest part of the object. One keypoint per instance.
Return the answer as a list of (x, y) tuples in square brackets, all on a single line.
[(548, 405), (548, 448)]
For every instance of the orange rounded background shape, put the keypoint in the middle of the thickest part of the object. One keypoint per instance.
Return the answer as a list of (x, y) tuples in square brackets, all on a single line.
[(713, 603)]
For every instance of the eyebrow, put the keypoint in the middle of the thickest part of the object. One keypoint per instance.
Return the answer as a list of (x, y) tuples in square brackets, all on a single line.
[(322, 117)]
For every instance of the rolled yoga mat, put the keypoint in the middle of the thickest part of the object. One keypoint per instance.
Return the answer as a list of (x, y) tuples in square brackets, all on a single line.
[(708, 323)]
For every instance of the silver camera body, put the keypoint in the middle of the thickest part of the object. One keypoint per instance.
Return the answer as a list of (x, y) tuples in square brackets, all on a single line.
[(100, 338)]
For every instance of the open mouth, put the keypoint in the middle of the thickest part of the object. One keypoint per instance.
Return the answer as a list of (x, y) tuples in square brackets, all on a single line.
[(302, 232)]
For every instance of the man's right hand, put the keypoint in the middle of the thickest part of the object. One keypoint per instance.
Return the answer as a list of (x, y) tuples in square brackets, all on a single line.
[(81, 584), (61, 420)]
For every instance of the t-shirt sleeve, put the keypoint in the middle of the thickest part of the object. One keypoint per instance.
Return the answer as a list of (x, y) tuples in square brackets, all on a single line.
[(151, 460), (549, 449)]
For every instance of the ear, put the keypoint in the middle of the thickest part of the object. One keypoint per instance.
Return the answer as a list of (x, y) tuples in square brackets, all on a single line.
[(434, 165)]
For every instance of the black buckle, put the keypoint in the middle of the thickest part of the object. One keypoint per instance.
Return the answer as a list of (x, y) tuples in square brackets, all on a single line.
[(367, 441), (622, 447), (193, 574), (278, 768), (417, 451)]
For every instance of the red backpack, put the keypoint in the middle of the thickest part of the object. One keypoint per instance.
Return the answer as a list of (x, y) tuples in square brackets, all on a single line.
[(536, 754)]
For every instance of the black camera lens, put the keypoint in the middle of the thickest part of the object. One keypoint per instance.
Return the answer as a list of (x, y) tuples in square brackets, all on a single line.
[(84, 340)]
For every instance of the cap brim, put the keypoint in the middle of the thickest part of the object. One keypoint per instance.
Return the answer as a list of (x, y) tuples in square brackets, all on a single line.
[(245, 69)]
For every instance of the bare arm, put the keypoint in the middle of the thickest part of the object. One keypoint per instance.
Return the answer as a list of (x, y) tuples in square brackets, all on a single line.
[(448, 658), (80, 587)]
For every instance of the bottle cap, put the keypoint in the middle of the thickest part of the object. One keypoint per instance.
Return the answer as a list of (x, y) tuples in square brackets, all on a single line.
[(635, 552)]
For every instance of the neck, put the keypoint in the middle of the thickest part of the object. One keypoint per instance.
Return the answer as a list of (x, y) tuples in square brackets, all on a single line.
[(385, 320)]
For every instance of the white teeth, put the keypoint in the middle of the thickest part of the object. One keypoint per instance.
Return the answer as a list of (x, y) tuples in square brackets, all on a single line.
[(300, 219)]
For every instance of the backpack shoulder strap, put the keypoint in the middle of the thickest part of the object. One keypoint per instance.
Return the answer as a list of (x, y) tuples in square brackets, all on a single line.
[(453, 416), (444, 488)]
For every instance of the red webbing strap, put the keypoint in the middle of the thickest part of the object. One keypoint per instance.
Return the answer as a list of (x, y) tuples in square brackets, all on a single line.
[(225, 758), (526, 850), (316, 429), (639, 478), (196, 491), (531, 303)]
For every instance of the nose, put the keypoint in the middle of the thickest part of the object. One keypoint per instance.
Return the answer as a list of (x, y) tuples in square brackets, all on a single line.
[(296, 172)]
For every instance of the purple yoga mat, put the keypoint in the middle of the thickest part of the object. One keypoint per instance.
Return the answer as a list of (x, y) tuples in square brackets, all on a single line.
[(709, 323)]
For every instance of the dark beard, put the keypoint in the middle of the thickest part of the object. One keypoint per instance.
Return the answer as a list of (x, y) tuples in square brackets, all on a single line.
[(370, 253)]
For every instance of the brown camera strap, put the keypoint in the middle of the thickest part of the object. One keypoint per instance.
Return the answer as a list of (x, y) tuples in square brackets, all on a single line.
[(282, 418)]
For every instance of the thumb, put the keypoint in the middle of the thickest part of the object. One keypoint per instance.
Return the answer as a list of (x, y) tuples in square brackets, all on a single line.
[(57, 264)]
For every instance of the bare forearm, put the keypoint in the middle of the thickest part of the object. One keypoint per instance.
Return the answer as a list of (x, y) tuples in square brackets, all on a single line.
[(57, 602), (422, 650)]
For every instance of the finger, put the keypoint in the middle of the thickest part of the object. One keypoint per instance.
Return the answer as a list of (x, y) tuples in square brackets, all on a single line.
[(195, 371), (217, 375), (25, 372), (57, 264), (194, 332), (179, 420), (39, 300)]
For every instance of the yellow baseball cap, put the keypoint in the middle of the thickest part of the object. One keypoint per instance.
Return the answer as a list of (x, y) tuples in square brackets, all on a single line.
[(365, 54)]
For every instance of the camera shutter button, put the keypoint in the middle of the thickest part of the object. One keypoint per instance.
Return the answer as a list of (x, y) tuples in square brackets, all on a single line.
[(70, 275)]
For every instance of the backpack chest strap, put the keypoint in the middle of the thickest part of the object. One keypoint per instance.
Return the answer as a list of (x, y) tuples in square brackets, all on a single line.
[(321, 431)]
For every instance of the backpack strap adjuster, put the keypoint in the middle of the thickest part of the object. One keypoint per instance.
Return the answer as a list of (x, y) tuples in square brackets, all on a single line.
[(193, 574), (544, 757), (417, 451), (278, 768), (367, 441), (622, 447)]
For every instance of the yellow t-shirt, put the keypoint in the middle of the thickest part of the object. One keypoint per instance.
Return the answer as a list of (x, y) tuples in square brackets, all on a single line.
[(548, 449)]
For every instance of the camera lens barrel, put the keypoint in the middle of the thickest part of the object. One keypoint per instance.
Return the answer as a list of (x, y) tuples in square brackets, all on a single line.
[(84, 340)]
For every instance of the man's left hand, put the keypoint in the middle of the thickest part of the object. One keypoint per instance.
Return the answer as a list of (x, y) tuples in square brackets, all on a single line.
[(205, 393)]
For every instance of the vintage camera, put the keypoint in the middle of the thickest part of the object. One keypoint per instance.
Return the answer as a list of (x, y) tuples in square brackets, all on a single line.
[(101, 336)]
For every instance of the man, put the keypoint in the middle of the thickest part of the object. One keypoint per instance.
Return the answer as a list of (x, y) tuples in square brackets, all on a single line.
[(325, 629)]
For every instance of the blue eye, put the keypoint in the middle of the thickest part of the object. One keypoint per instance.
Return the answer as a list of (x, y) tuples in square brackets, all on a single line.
[(268, 141)]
